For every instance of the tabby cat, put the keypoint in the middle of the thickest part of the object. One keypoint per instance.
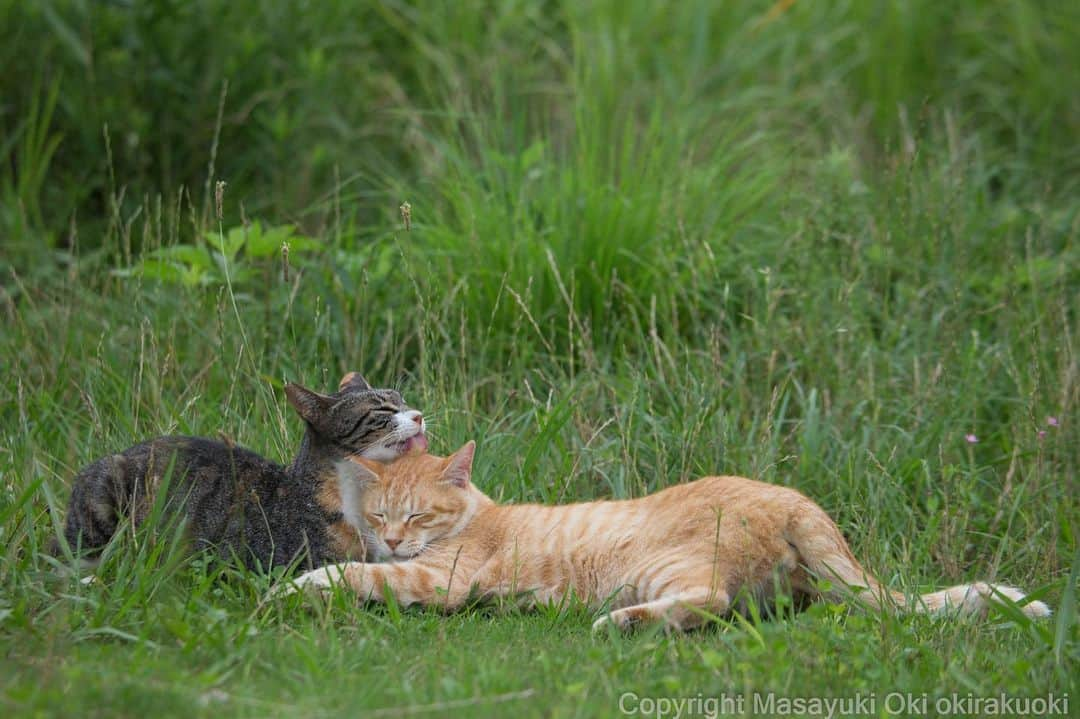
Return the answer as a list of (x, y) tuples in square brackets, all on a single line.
[(246, 506), (669, 557)]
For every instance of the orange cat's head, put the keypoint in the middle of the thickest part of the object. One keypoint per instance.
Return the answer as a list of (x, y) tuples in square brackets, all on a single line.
[(416, 501)]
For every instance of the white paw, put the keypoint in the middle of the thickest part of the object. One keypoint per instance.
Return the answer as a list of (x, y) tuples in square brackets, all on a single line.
[(1034, 609), (620, 619), (315, 580)]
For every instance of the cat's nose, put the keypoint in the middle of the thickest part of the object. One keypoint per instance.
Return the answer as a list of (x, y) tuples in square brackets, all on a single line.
[(417, 417), (392, 543)]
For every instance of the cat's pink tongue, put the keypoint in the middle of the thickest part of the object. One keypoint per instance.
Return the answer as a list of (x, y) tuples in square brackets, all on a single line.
[(417, 444)]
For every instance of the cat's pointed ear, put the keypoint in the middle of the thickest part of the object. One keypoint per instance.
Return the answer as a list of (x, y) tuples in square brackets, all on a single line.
[(353, 381), (312, 406), (459, 467), (363, 470)]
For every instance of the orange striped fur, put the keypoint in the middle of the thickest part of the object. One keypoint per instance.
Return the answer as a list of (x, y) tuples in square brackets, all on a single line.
[(676, 556)]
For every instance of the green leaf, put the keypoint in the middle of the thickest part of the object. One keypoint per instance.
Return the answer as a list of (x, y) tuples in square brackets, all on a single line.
[(1066, 616), (300, 243), (160, 270), (268, 243), (231, 243), (194, 276), (189, 255), (67, 35), (533, 155)]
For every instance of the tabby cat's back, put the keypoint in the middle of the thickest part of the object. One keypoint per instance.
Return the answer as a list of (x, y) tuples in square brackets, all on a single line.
[(126, 485), (242, 504)]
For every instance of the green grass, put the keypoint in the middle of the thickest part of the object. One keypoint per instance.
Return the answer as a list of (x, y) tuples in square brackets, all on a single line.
[(816, 247)]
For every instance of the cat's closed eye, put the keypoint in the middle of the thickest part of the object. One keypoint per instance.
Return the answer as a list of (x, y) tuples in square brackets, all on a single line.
[(377, 517), (417, 516), (390, 400)]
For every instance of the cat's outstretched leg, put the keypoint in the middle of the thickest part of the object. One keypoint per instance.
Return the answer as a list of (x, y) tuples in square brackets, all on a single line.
[(824, 551), (678, 611), (366, 580), (410, 582)]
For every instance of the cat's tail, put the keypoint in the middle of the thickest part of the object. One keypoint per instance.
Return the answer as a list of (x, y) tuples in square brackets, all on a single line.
[(823, 550)]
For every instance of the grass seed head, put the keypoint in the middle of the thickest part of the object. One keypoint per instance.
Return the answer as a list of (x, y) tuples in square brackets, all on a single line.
[(219, 197)]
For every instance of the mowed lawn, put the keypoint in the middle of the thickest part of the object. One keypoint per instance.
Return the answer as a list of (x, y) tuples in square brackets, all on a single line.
[(622, 245)]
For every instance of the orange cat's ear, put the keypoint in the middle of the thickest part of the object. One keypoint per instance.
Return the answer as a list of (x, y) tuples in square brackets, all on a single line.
[(367, 470), (312, 406), (459, 466), (353, 381)]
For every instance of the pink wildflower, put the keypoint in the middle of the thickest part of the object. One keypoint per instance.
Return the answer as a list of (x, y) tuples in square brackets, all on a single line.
[(971, 439), (1052, 421)]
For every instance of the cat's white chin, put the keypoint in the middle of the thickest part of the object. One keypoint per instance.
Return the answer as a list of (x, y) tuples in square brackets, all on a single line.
[(408, 437), (384, 554), (416, 444)]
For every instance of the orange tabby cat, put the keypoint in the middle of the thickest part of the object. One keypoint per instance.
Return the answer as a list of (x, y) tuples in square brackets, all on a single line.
[(663, 557)]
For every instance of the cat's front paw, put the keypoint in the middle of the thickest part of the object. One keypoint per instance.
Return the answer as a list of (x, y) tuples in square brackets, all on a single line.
[(617, 619), (317, 580), (623, 620)]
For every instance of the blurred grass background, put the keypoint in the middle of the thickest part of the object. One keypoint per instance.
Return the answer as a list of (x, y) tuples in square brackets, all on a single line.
[(817, 243)]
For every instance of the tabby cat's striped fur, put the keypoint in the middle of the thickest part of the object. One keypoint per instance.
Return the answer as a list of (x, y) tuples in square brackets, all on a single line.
[(234, 500), (661, 558)]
